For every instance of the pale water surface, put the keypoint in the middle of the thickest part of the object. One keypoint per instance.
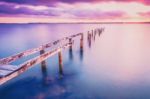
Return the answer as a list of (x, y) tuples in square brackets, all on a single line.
[(116, 66)]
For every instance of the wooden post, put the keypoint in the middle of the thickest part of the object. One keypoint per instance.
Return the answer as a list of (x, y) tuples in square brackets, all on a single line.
[(89, 40), (95, 31), (43, 63), (88, 35), (42, 52), (70, 41), (44, 69), (81, 47), (44, 73), (100, 31), (92, 33), (60, 63), (81, 41), (70, 49)]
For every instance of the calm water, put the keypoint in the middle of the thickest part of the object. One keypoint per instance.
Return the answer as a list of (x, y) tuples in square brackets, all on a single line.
[(116, 66)]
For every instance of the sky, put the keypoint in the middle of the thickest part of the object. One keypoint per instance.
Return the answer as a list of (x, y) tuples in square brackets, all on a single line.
[(57, 11)]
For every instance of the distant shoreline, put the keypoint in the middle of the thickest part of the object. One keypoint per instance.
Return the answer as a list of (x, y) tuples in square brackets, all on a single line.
[(86, 23)]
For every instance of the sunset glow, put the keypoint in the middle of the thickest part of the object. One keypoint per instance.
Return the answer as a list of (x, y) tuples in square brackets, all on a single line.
[(74, 11)]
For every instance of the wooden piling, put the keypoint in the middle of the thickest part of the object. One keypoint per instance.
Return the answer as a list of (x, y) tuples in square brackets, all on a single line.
[(70, 41), (44, 68), (81, 46), (42, 52), (89, 39), (95, 31), (92, 34), (60, 62), (43, 63), (81, 41), (88, 34), (99, 31), (44, 73), (70, 49)]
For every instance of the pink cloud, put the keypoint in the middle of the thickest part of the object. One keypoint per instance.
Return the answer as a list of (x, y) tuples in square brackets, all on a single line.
[(80, 10), (146, 14)]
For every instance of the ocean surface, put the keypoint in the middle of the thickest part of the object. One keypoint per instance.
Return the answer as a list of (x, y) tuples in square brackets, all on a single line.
[(115, 66)]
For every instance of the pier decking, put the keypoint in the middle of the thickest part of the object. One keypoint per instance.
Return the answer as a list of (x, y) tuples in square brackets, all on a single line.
[(8, 71)]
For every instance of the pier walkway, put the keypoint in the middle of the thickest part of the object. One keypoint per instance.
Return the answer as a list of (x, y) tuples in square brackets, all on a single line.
[(8, 71)]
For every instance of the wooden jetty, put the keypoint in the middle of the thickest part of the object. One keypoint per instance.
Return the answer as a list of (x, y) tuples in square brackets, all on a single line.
[(8, 71)]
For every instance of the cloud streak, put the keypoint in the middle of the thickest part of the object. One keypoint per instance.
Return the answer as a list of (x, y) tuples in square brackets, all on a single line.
[(49, 2), (77, 10), (15, 9)]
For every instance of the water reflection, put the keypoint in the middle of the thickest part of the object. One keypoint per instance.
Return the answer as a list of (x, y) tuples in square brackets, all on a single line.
[(81, 54), (70, 49), (119, 69), (81, 46), (70, 54), (45, 76), (61, 72)]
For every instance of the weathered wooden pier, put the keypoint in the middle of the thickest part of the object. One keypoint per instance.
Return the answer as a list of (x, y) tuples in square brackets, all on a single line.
[(8, 71)]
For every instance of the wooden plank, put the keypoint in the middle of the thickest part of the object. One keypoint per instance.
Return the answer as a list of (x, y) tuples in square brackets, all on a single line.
[(8, 67), (4, 72)]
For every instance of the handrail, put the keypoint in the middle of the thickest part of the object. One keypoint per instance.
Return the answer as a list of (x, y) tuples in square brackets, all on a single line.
[(15, 57), (26, 65), (43, 55)]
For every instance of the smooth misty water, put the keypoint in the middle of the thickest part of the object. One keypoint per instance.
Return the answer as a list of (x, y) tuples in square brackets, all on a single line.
[(116, 66)]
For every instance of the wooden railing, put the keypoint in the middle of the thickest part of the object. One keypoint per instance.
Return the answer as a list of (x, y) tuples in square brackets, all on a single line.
[(17, 70), (13, 58)]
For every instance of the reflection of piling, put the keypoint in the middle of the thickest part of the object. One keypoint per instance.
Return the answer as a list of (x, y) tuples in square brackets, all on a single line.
[(44, 70), (70, 49), (45, 75), (94, 34), (43, 63), (81, 54), (60, 63), (81, 47)]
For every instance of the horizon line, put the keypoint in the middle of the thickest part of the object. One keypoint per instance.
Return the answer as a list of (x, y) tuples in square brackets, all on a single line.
[(77, 23)]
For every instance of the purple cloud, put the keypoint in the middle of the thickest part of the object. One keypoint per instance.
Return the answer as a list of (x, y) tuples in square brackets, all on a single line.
[(100, 14), (74, 1), (15, 9), (50, 2), (75, 9)]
